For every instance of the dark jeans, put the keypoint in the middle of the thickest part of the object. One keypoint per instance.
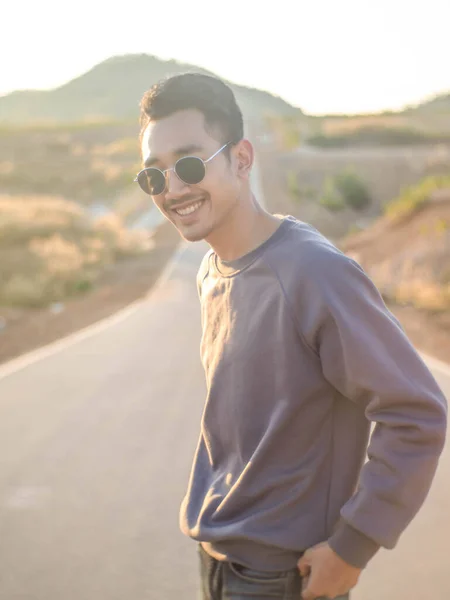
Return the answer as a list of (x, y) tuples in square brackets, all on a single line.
[(229, 581)]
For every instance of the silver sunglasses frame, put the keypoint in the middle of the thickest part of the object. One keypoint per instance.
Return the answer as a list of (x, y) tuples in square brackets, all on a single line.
[(163, 173)]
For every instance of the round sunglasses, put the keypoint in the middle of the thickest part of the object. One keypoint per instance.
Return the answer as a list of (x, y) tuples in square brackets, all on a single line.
[(190, 169)]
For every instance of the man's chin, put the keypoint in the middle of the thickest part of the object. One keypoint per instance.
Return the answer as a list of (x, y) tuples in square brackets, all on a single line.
[(194, 234), (192, 237)]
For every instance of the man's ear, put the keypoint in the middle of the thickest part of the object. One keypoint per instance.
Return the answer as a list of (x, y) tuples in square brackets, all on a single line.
[(244, 154)]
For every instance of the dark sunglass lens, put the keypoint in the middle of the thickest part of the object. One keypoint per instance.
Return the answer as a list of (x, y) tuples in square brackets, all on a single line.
[(190, 169), (152, 181)]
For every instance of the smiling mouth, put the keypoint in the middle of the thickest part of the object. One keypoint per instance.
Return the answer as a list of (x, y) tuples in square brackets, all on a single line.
[(189, 209)]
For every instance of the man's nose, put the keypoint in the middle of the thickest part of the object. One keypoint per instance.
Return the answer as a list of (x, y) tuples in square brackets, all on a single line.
[(175, 188)]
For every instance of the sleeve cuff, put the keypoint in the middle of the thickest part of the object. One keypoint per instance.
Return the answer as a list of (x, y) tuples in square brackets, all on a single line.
[(353, 546)]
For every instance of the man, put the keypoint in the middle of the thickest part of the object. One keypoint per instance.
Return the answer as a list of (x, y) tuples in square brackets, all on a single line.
[(300, 355)]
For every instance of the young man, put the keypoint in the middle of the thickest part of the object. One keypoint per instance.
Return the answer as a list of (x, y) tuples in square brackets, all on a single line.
[(300, 355)]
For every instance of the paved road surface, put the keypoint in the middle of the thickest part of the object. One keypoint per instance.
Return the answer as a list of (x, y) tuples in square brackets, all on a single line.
[(96, 444)]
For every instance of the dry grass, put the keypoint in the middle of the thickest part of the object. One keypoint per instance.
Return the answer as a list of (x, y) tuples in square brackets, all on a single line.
[(415, 197), (431, 123), (333, 126), (408, 258), (51, 249), (80, 163), (117, 286)]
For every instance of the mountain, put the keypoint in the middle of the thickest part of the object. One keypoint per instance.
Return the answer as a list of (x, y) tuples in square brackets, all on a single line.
[(440, 103), (112, 91)]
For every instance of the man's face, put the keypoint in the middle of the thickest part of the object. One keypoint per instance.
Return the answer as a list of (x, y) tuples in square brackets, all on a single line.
[(184, 134)]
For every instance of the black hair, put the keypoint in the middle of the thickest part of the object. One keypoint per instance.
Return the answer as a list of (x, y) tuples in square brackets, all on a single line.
[(205, 93)]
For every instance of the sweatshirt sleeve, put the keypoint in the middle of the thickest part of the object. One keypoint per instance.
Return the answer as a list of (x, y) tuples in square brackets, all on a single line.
[(366, 356)]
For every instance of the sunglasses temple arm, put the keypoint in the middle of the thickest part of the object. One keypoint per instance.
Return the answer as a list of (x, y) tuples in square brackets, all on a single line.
[(216, 153)]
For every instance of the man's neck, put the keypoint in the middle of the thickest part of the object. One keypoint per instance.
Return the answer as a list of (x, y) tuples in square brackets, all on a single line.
[(246, 228)]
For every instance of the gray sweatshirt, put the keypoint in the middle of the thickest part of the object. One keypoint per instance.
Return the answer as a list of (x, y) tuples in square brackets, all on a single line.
[(301, 355)]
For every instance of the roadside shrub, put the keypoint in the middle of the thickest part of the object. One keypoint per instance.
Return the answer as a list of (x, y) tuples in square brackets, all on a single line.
[(331, 199), (352, 189), (346, 189), (415, 197), (50, 249)]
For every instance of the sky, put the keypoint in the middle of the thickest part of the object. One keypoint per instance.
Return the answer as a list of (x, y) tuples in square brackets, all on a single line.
[(325, 56)]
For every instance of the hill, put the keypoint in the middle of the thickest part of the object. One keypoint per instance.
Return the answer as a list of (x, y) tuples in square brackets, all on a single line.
[(406, 251), (407, 257), (112, 90), (439, 103)]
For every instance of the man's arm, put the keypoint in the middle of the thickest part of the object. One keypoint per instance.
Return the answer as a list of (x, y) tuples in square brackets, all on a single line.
[(367, 357)]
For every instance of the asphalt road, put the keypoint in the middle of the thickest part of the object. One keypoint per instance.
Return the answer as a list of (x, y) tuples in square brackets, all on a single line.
[(96, 442)]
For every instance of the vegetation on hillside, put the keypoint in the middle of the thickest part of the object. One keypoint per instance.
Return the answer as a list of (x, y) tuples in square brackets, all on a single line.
[(416, 197), (83, 163), (376, 136), (407, 250), (439, 103), (425, 124), (346, 189), (50, 249)]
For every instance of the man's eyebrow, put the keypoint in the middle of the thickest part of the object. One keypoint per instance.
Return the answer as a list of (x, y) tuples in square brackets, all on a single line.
[(182, 151)]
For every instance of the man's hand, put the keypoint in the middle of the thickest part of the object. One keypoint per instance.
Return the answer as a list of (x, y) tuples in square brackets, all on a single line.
[(326, 574)]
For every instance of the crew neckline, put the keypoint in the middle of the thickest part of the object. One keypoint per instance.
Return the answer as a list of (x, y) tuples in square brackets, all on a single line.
[(227, 268)]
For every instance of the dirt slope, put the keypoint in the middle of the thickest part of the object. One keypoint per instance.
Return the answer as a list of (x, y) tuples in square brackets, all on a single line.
[(410, 263)]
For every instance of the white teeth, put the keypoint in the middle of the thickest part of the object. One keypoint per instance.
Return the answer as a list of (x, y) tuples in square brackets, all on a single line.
[(189, 209)]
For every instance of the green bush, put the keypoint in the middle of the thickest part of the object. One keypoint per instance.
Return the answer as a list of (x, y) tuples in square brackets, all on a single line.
[(346, 189), (352, 189), (309, 192), (331, 199)]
